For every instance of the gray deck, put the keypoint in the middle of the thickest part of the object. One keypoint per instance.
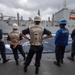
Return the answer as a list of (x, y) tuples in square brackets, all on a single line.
[(47, 66)]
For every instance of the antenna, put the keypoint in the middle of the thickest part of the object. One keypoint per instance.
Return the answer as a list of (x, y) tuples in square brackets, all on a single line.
[(64, 4)]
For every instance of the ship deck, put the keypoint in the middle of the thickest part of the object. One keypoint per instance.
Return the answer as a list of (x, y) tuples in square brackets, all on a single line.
[(47, 66)]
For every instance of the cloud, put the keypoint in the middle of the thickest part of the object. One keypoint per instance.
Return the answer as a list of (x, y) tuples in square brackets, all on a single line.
[(29, 8)]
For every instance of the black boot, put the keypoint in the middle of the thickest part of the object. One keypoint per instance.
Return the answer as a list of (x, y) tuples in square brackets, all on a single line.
[(17, 62), (25, 68), (5, 60), (56, 63), (62, 61), (71, 58), (36, 70)]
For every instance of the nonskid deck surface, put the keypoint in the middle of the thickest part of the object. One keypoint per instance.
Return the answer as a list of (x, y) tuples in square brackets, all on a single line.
[(47, 66)]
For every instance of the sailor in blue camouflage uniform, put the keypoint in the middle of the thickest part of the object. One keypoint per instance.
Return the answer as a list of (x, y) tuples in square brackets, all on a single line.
[(2, 47), (36, 33), (73, 46), (15, 40), (61, 41)]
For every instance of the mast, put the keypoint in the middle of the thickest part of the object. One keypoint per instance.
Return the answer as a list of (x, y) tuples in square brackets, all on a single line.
[(18, 18), (64, 4), (39, 12)]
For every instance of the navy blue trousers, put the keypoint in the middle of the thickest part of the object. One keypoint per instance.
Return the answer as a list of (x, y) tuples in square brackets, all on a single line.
[(34, 50), (3, 50), (59, 51), (73, 49), (15, 51)]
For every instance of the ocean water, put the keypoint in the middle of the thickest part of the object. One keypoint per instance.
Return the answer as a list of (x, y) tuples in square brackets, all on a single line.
[(48, 44)]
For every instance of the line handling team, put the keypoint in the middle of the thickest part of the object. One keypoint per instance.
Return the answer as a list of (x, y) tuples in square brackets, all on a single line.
[(37, 33)]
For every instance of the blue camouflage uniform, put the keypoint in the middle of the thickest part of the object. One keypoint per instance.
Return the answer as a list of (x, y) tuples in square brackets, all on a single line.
[(61, 37), (61, 40)]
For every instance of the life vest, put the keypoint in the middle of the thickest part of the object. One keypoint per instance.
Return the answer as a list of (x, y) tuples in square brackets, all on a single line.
[(36, 33), (14, 36)]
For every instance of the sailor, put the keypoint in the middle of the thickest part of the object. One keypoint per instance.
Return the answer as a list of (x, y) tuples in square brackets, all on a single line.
[(61, 41), (2, 47), (73, 46), (36, 33), (15, 40)]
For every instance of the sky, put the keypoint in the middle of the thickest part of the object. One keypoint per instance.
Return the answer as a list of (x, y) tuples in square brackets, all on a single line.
[(29, 8)]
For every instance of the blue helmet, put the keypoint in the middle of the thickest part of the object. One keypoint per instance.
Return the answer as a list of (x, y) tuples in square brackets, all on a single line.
[(63, 21)]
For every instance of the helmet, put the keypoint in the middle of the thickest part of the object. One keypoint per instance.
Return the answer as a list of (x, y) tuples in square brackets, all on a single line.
[(15, 26), (63, 21), (37, 18)]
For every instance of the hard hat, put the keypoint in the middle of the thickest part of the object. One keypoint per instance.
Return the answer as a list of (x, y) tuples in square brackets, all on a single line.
[(37, 18), (63, 21), (15, 26)]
